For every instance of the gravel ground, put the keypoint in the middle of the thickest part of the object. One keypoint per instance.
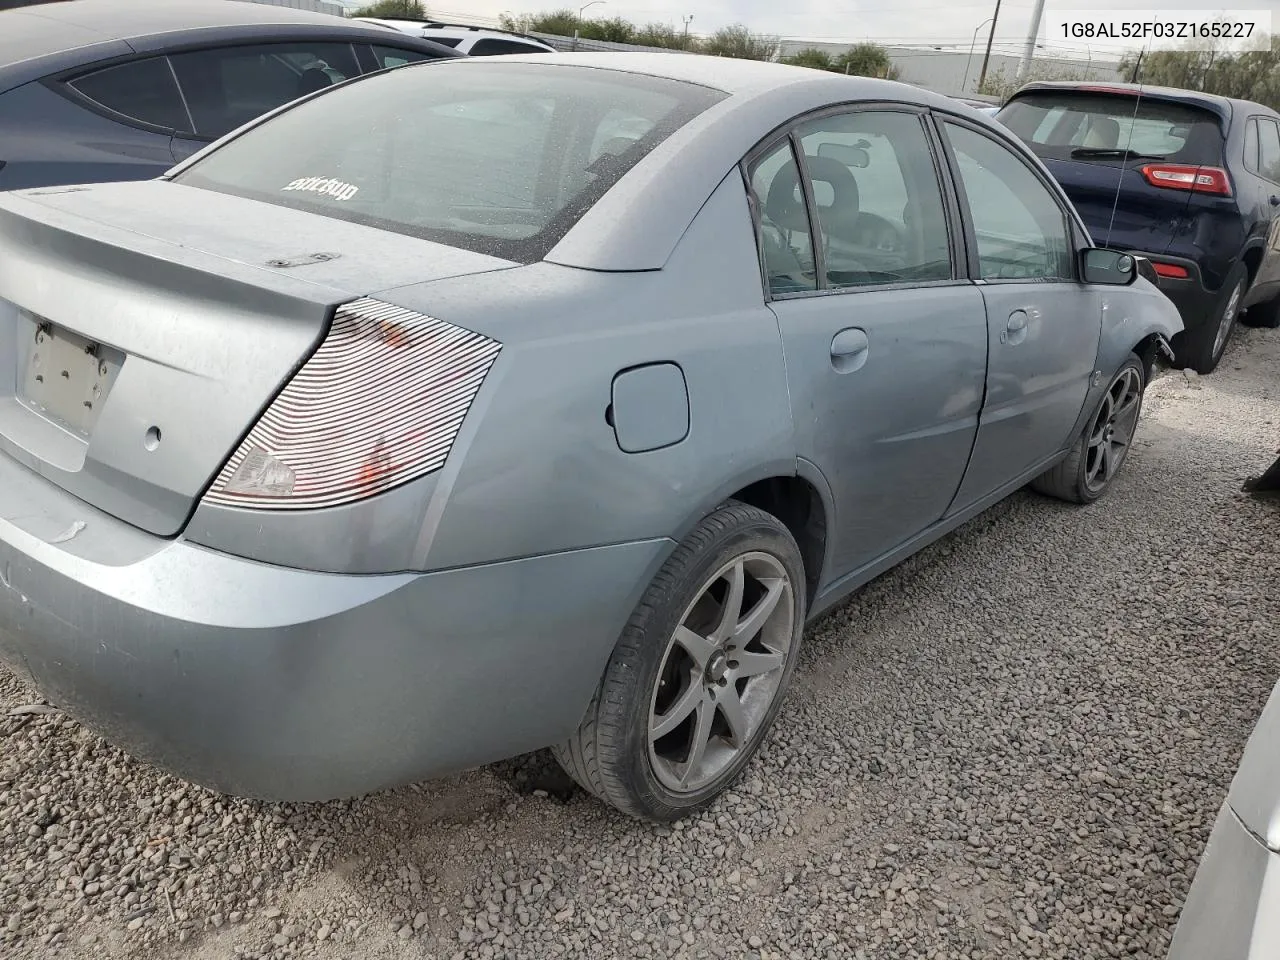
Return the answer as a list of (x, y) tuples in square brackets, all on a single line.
[(1014, 745)]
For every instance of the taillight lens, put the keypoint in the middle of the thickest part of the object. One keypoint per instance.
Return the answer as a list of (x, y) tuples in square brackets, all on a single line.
[(378, 404), (1186, 176)]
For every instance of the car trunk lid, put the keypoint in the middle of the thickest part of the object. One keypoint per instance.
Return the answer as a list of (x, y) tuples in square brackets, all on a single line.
[(146, 326)]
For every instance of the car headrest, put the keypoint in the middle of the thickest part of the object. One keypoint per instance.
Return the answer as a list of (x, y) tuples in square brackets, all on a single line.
[(785, 203)]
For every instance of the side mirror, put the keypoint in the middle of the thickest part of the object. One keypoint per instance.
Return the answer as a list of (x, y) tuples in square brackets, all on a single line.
[(1098, 265)]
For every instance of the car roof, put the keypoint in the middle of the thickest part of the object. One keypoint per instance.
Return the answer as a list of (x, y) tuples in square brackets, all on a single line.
[(739, 78), (1223, 107), (66, 33)]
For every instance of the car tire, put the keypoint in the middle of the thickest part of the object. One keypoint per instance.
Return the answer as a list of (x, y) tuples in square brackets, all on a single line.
[(1202, 347), (1265, 314), (1103, 446), (689, 693)]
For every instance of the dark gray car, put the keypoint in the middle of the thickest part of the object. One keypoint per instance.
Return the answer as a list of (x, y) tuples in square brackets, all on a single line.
[(102, 90)]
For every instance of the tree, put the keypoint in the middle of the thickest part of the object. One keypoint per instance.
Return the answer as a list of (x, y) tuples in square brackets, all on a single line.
[(557, 23), (811, 57), (739, 42), (867, 60), (1003, 85), (1252, 74), (393, 9), (863, 60), (614, 30), (663, 35)]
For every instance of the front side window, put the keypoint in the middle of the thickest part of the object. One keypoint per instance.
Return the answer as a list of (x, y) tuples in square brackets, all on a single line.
[(1269, 149), (490, 156), (1021, 230), (786, 247), (143, 90), (878, 201), (226, 87)]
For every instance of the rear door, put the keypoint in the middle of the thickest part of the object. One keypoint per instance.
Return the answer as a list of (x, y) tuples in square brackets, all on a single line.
[(884, 337), (1097, 144), (1043, 325)]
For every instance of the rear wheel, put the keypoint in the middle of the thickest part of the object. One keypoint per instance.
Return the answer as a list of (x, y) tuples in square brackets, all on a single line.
[(1095, 460), (1201, 347), (1263, 314), (699, 672)]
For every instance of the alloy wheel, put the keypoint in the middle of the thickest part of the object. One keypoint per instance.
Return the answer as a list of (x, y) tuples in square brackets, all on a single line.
[(1113, 429), (721, 672)]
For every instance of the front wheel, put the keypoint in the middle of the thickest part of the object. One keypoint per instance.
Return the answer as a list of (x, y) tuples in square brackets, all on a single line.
[(1101, 450), (699, 672)]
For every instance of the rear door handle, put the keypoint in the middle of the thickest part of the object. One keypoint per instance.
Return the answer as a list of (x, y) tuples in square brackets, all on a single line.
[(1015, 330), (849, 349)]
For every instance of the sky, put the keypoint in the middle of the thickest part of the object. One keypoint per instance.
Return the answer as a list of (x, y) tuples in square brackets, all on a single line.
[(932, 22)]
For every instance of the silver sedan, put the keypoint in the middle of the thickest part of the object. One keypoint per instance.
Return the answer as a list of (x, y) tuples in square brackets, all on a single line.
[(480, 406)]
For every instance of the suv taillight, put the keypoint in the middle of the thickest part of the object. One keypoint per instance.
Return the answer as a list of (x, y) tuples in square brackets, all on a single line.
[(378, 404), (1188, 176)]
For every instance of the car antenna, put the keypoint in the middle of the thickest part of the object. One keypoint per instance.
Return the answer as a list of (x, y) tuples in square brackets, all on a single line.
[(1137, 102)]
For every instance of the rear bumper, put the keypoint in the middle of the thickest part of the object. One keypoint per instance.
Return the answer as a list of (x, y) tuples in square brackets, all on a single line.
[(286, 684), (1233, 909), (1196, 304)]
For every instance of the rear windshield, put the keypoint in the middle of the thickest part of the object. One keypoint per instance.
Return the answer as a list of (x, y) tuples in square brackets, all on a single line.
[(1081, 126), (500, 158)]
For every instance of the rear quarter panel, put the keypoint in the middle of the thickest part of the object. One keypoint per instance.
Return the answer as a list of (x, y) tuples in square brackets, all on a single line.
[(538, 468)]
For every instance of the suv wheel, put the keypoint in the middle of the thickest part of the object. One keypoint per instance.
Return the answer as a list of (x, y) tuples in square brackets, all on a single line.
[(1201, 348), (699, 671)]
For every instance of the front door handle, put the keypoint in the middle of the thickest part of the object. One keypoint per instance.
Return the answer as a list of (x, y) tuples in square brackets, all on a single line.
[(849, 349), (1015, 330)]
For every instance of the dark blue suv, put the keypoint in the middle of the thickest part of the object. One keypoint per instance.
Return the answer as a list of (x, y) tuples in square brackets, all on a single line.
[(1189, 180)]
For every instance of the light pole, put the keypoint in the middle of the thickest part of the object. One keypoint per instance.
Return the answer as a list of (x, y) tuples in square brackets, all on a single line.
[(578, 22), (964, 84), (986, 57), (687, 20)]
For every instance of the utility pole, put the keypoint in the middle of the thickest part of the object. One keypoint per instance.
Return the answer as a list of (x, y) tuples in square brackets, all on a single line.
[(986, 57), (685, 44), (1029, 48)]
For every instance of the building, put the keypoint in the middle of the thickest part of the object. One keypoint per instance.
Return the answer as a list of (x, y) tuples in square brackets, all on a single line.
[(316, 6)]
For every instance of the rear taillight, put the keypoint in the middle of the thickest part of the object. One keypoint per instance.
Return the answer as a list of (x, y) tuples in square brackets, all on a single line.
[(1171, 270), (1188, 176), (378, 404)]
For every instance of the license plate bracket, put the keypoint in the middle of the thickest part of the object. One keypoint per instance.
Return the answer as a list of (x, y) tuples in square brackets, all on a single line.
[(68, 377)]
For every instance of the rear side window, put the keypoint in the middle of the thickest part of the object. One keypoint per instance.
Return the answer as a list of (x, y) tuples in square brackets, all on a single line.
[(1080, 126), (1269, 149), (498, 157), (388, 57), (143, 90), (491, 46), (227, 87), (443, 41)]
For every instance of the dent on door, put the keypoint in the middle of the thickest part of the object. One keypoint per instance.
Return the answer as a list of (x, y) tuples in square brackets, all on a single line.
[(649, 407)]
